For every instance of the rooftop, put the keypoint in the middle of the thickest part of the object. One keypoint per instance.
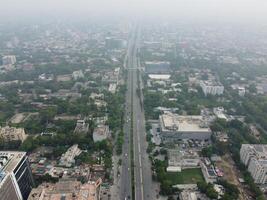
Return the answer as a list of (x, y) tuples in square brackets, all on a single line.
[(259, 150), (180, 123), (10, 159), (67, 190)]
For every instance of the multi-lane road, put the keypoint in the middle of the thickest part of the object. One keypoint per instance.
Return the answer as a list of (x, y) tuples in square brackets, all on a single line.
[(144, 188)]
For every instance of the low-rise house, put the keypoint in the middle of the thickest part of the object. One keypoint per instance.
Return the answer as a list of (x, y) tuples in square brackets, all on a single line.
[(112, 87), (178, 160), (96, 96), (67, 189), (208, 172), (81, 126), (77, 74), (67, 159), (101, 132)]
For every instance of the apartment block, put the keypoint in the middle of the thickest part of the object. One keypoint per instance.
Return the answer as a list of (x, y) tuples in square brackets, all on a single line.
[(254, 156)]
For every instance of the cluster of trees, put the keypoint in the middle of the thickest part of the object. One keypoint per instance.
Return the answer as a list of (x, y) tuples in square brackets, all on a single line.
[(119, 143), (151, 101), (231, 191), (255, 108), (45, 178), (115, 109), (208, 189), (159, 174)]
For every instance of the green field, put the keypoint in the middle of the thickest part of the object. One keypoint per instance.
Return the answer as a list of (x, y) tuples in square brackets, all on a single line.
[(187, 176)]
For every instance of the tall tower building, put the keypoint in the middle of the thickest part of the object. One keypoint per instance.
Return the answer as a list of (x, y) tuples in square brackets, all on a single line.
[(16, 181)]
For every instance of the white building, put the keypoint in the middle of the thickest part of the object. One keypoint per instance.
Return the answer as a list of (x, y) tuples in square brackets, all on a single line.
[(177, 127), (112, 88), (211, 87), (9, 60), (67, 159), (241, 91), (219, 112), (254, 156), (77, 74)]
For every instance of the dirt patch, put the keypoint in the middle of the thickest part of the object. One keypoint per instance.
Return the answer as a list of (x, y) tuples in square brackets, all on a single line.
[(229, 173)]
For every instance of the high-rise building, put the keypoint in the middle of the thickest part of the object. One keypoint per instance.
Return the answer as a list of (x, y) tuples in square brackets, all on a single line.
[(16, 179), (254, 156)]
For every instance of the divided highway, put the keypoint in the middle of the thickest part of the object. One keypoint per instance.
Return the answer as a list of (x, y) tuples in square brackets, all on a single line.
[(144, 188)]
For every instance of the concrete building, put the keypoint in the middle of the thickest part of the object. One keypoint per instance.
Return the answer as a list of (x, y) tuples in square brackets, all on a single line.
[(67, 159), (12, 134), (208, 172), (81, 126), (67, 190), (219, 113), (254, 156), (211, 87), (177, 127), (178, 160), (16, 179), (241, 91), (77, 74), (188, 195), (101, 132), (9, 60), (112, 88)]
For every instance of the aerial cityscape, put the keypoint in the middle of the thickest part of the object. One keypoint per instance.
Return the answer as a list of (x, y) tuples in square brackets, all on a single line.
[(131, 103)]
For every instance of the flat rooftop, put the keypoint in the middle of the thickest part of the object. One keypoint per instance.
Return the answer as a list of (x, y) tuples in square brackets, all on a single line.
[(260, 150), (67, 190), (211, 83), (159, 76), (10, 159), (179, 123)]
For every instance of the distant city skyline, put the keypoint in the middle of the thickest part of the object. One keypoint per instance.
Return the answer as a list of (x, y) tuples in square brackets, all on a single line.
[(224, 9)]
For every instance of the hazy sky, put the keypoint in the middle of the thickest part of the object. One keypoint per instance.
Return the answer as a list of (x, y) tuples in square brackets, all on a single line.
[(243, 9)]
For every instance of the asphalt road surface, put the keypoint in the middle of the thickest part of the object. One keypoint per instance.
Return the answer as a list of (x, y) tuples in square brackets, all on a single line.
[(145, 189)]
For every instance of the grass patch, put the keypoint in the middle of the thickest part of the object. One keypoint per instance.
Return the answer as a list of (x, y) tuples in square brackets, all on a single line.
[(186, 176)]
